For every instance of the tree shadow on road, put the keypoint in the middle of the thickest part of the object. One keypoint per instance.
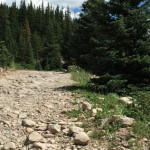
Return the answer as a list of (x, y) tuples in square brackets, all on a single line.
[(66, 88), (73, 88)]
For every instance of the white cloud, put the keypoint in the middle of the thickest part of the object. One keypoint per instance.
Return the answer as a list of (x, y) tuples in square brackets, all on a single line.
[(65, 3), (62, 3)]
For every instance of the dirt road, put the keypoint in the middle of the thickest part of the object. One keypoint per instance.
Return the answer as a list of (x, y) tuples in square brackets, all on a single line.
[(29, 102)]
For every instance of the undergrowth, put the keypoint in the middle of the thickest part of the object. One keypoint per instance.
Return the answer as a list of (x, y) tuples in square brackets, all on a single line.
[(109, 103)]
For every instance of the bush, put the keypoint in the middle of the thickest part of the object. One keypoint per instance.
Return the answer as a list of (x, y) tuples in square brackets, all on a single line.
[(140, 109), (116, 84), (108, 84)]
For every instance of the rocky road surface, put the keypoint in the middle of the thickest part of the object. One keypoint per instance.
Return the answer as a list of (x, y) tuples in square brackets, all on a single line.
[(31, 106)]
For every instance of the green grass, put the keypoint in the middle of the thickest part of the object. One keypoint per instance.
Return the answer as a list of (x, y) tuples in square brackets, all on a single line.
[(16, 66), (79, 75), (74, 113), (139, 111)]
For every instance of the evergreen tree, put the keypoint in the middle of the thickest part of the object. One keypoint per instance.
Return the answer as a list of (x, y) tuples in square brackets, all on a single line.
[(28, 31), (67, 34), (31, 16), (22, 12), (113, 42), (53, 58), (26, 57), (37, 49), (14, 24), (6, 34), (5, 57)]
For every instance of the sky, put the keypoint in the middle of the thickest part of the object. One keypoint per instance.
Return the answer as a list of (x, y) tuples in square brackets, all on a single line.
[(74, 5)]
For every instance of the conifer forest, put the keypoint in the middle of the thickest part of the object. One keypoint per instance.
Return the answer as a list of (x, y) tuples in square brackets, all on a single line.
[(110, 39)]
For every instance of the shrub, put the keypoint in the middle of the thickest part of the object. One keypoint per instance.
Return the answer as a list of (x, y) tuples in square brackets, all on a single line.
[(108, 84), (140, 109)]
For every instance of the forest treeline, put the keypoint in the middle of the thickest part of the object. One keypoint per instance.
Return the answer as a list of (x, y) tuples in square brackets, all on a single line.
[(110, 39), (35, 37)]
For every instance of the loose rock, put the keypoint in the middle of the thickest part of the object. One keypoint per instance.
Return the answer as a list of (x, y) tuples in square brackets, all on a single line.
[(9, 145), (54, 128), (125, 100), (74, 129), (81, 139), (86, 106), (123, 120), (35, 137), (29, 130), (28, 123), (23, 115), (102, 122), (94, 111)]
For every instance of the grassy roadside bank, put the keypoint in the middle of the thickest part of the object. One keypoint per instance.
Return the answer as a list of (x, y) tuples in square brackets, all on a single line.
[(131, 137)]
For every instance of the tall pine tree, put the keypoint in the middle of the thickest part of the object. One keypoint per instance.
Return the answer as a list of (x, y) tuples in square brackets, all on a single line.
[(114, 43)]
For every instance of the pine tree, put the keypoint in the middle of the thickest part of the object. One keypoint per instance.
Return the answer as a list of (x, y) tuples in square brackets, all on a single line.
[(22, 12), (37, 49), (14, 24), (67, 34), (26, 57), (53, 58), (113, 42), (5, 57), (6, 34), (28, 31), (31, 16)]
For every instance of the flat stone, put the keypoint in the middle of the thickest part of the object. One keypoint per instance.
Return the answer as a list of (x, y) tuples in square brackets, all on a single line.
[(74, 129), (45, 146), (28, 123), (125, 100), (35, 137), (79, 124), (23, 116), (123, 120), (42, 127)]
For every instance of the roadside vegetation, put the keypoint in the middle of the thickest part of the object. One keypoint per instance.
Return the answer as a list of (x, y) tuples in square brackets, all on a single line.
[(139, 110)]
